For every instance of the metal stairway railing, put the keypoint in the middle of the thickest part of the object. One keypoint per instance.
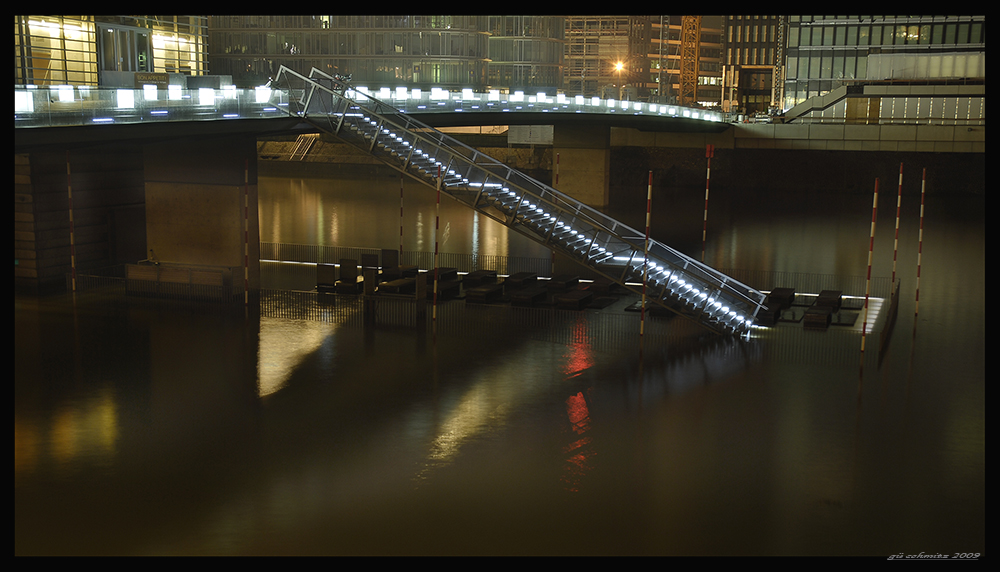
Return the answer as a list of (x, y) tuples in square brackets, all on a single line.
[(612, 249)]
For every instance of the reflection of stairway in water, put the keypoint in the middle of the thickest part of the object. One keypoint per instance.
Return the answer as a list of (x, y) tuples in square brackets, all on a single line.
[(559, 222), (302, 146)]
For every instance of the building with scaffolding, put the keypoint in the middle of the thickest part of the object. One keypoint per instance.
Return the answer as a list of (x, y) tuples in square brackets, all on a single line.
[(665, 59), (607, 56)]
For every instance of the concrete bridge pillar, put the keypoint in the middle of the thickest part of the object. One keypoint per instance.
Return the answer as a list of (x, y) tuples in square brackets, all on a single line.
[(201, 205), (584, 153)]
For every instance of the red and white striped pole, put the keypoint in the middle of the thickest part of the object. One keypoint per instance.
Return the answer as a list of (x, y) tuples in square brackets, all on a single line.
[(920, 243), (709, 153), (871, 246), (72, 229), (645, 258), (400, 217), (895, 241), (437, 226), (246, 232)]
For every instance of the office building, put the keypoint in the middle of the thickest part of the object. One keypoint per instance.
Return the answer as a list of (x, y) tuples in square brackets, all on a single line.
[(107, 51), (751, 61), (526, 53), (825, 52), (451, 52)]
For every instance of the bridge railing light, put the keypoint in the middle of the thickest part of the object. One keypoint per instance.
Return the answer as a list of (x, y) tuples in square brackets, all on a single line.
[(206, 96), (64, 93), (23, 101), (125, 99)]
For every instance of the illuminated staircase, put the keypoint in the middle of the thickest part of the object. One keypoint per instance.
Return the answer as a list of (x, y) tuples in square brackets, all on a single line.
[(561, 223)]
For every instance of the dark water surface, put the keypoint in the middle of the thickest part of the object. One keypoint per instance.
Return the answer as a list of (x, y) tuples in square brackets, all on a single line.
[(176, 429)]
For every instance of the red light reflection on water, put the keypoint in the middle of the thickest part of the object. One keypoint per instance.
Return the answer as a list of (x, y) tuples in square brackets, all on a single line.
[(580, 356), (578, 463)]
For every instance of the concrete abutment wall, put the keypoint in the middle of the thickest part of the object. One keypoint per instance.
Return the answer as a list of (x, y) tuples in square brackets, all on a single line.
[(192, 202)]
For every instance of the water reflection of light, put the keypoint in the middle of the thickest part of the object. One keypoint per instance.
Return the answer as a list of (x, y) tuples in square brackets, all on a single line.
[(578, 463), (482, 408), (580, 354), (283, 346), (579, 415), (475, 234), (419, 232), (27, 443), (87, 430), (472, 415)]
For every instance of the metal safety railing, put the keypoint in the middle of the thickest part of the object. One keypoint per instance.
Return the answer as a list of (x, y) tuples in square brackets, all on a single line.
[(561, 223)]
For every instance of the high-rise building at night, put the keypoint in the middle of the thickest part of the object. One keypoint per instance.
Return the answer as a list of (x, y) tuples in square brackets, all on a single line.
[(751, 60)]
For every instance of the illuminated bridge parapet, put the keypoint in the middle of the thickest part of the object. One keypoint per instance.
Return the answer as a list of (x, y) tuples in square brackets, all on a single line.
[(63, 106)]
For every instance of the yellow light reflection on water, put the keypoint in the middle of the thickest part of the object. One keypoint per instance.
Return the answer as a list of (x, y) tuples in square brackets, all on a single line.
[(284, 344), (481, 409), (87, 431), (499, 391)]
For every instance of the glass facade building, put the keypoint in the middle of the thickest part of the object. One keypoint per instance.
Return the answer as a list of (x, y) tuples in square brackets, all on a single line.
[(825, 52), (106, 50), (451, 52), (526, 52)]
